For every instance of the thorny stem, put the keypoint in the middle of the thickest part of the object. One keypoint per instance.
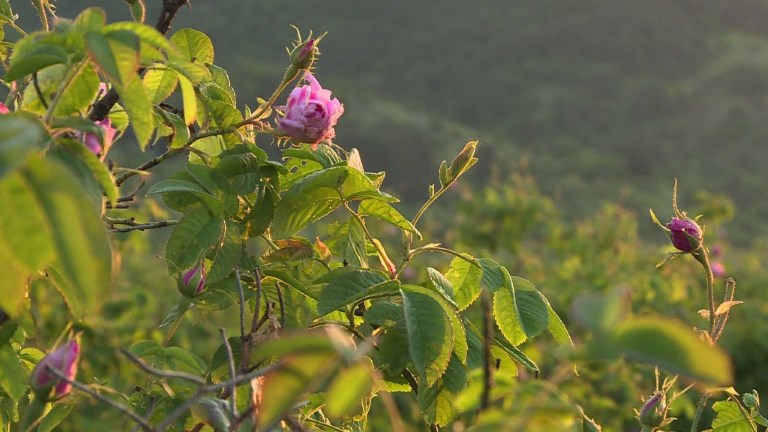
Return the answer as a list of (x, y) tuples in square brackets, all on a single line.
[(702, 257), (241, 294), (132, 225), (161, 373), (699, 410), (232, 372), (122, 408)]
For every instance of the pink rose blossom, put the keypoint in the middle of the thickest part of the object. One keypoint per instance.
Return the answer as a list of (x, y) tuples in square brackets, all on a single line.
[(718, 269), (310, 113), (4, 109), (92, 140), (64, 359)]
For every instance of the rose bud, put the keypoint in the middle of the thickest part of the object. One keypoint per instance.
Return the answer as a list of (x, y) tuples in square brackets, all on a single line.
[(64, 359), (310, 113), (94, 142), (652, 413), (192, 281), (303, 55), (685, 234)]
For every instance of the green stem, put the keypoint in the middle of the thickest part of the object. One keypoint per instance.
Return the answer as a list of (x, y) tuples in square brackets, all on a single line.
[(440, 249), (379, 248), (73, 73), (702, 257), (42, 14), (290, 74), (428, 203), (33, 414), (699, 410)]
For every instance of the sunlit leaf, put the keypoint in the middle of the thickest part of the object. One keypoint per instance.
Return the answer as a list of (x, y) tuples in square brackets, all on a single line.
[(465, 278), (430, 334), (353, 287), (519, 310)]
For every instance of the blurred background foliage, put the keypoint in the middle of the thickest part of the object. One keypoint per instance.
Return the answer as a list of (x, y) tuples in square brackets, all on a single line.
[(586, 112)]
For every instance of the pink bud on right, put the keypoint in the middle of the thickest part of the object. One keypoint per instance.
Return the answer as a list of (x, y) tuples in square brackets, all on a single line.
[(93, 142), (64, 359)]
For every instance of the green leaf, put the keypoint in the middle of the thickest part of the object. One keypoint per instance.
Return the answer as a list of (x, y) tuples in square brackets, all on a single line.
[(436, 401), (195, 233), (101, 174), (33, 60), (442, 285), (139, 107), (21, 134), (263, 211), (176, 355), (160, 83), (674, 347), (317, 194), (430, 334), (517, 355), (465, 278), (116, 54), (78, 97), (146, 348), (556, 327), (227, 255), (519, 310), (180, 186), (382, 210), (14, 377), (348, 242), (189, 100), (56, 415), (281, 388), (92, 18), (193, 46), (352, 287), (238, 173), (728, 418), (83, 264), (350, 389), (493, 276), (179, 130), (146, 34)]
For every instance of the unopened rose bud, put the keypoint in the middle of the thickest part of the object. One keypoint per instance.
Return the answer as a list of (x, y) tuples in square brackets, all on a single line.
[(652, 413), (192, 281), (64, 359), (303, 55), (685, 234), (93, 142), (751, 400)]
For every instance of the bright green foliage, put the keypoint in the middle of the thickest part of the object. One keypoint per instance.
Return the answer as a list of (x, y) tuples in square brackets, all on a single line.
[(520, 310), (430, 334)]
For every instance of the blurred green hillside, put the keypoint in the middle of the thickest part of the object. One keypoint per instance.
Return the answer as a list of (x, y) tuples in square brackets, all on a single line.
[(609, 100)]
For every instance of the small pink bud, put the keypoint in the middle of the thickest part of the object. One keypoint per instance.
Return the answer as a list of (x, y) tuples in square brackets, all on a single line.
[(652, 414), (685, 234), (310, 113), (4, 109), (303, 55), (94, 143), (63, 359), (192, 282)]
